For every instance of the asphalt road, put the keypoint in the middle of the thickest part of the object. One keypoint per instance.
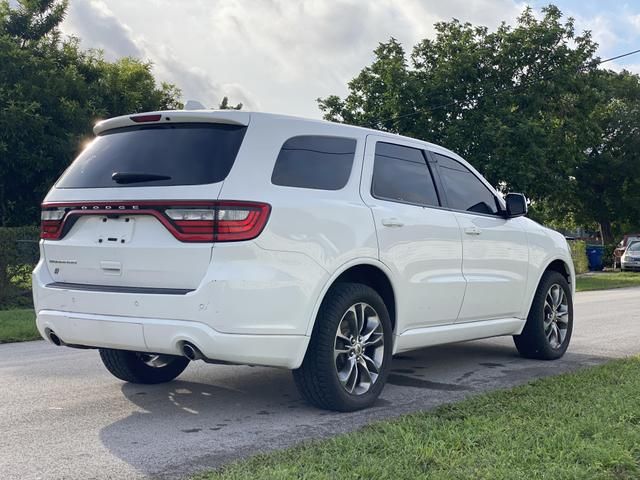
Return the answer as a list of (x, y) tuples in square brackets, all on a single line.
[(63, 416)]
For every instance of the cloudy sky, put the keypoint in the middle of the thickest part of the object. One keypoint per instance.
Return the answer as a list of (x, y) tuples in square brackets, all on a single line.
[(280, 55)]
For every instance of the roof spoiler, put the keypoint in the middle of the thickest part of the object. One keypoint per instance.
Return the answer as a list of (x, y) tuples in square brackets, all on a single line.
[(229, 117)]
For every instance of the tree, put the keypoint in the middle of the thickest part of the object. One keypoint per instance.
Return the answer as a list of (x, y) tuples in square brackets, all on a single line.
[(33, 20), (51, 95), (224, 105), (606, 182), (518, 103)]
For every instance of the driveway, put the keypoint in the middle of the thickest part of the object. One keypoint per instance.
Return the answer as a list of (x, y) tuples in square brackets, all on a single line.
[(63, 416)]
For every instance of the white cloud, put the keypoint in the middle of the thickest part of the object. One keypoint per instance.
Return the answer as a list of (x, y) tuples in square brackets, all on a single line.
[(92, 21), (602, 28), (98, 27), (276, 55), (629, 67)]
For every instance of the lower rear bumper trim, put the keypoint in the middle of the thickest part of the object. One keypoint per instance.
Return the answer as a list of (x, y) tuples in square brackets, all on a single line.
[(118, 289)]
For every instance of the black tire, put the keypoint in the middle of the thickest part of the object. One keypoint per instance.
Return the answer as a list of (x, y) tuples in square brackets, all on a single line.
[(317, 378), (131, 366), (533, 342)]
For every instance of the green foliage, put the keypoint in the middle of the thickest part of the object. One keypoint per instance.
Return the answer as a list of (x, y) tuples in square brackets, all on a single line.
[(33, 19), (605, 184), (51, 95), (607, 281), (525, 104), (18, 255), (18, 325), (224, 105), (607, 258), (579, 255)]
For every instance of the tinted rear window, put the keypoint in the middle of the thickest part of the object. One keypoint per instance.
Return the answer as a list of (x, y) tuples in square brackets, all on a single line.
[(313, 161), (190, 154)]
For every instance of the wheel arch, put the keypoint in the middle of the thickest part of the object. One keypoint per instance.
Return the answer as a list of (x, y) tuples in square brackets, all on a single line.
[(369, 272), (556, 265), (560, 266)]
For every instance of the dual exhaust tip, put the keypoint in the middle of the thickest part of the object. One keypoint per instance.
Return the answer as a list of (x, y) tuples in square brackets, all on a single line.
[(192, 352), (189, 350), (55, 339)]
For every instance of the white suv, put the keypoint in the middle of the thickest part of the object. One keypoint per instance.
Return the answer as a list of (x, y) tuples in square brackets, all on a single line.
[(252, 238)]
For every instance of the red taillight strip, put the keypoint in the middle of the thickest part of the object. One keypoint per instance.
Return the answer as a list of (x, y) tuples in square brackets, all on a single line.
[(184, 230)]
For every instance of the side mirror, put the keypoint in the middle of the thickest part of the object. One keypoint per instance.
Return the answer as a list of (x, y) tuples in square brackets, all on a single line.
[(516, 205)]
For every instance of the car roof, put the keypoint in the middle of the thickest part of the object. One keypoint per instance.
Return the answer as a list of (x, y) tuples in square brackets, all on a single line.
[(241, 117)]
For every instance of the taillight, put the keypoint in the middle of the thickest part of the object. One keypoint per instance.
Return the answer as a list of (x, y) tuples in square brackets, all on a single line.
[(188, 221), (51, 223), (240, 220), (224, 221)]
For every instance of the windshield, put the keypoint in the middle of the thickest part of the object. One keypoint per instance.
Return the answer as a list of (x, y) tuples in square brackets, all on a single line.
[(634, 247), (156, 155)]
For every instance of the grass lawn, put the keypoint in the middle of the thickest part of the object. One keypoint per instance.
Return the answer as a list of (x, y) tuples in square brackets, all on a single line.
[(583, 425), (18, 325), (607, 280)]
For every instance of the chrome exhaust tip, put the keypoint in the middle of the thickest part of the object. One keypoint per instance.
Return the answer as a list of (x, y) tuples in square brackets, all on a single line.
[(55, 339), (191, 352)]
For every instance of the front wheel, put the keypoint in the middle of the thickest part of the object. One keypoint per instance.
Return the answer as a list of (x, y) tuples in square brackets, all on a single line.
[(349, 355), (547, 333), (141, 367)]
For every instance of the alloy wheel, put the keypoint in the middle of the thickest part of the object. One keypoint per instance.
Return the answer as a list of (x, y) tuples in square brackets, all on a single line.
[(359, 348), (155, 360), (556, 316)]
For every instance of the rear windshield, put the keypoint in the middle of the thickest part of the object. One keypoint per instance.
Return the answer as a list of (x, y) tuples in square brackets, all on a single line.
[(157, 155)]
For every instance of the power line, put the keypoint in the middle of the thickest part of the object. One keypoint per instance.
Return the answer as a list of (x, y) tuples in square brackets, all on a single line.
[(507, 89), (618, 56)]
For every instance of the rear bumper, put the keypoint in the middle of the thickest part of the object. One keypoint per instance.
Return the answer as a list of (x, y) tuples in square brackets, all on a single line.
[(167, 336), (246, 291)]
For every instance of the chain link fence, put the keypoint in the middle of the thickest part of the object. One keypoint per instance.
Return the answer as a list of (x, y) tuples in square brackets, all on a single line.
[(19, 253)]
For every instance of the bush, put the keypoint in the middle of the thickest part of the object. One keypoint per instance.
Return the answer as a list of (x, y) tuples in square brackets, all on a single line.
[(607, 257), (19, 253), (579, 255)]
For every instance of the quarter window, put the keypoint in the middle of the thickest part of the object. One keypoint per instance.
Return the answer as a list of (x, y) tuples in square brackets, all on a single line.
[(464, 190), (313, 161), (401, 174)]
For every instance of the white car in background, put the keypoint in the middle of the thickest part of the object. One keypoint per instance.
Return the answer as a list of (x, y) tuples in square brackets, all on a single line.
[(630, 259), (253, 238)]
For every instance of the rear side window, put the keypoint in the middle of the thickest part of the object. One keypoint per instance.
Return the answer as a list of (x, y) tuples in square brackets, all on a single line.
[(178, 154), (401, 174), (313, 161), (464, 190)]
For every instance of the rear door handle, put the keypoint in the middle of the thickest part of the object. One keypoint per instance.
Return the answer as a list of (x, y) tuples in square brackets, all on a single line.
[(472, 231), (392, 222)]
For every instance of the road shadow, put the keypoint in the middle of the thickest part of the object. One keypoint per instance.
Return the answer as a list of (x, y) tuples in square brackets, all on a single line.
[(214, 414)]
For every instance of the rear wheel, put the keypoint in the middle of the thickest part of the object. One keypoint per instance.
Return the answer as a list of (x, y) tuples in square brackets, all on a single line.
[(141, 367), (547, 333), (349, 355)]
